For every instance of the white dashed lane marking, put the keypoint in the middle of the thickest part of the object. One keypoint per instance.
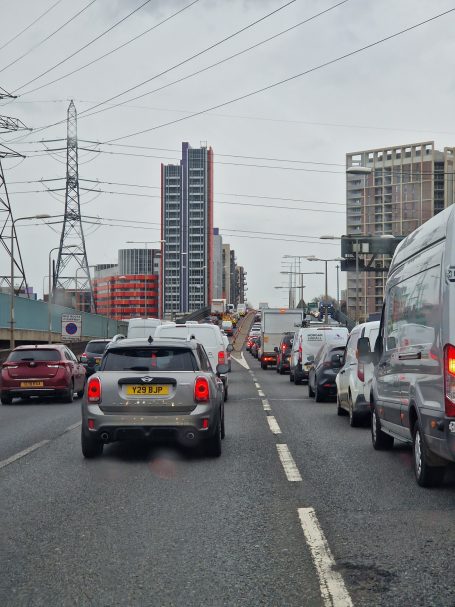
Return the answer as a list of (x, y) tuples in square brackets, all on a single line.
[(266, 405), (289, 465), (273, 425), (331, 583)]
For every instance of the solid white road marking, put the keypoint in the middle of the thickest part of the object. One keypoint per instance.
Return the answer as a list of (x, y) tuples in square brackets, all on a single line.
[(261, 393), (73, 427), (333, 590), (266, 405), (289, 465), (23, 453), (273, 425)]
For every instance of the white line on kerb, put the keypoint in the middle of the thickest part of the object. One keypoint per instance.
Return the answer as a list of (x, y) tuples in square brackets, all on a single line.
[(289, 465), (266, 405), (333, 590), (273, 425), (23, 453), (261, 393)]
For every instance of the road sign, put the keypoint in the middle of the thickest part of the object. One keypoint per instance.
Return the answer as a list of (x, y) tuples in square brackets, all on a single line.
[(71, 327)]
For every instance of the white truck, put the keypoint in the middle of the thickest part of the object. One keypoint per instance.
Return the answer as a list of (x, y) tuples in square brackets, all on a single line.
[(275, 322), (241, 309), (218, 307)]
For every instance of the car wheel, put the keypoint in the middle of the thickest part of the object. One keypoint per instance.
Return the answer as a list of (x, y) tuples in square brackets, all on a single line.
[(264, 366), (223, 432), (353, 415), (80, 394), (6, 399), (310, 390), (91, 446), (69, 397), (281, 371), (226, 393), (381, 441), (291, 376), (277, 369), (318, 397), (340, 411), (213, 444), (426, 475)]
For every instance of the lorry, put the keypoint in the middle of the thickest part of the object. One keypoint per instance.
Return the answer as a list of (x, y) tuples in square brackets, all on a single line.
[(275, 322), (218, 307), (241, 309), (263, 305)]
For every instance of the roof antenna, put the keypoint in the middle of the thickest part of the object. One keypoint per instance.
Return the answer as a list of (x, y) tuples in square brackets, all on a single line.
[(150, 339)]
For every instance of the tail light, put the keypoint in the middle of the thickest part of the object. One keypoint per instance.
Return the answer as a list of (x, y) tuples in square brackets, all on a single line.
[(94, 390), (449, 379), (300, 352), (221, 357), (361, 371), (201, 390), (283, 348)]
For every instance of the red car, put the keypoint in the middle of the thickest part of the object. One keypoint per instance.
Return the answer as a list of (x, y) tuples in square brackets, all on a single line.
[(44, 370)]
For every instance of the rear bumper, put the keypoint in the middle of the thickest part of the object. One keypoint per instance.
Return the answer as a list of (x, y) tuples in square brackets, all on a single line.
[(327, 387), (15, 392), (269, 358)]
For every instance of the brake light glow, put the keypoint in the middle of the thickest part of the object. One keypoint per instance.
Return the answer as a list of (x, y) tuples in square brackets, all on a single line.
[(361, 371), (449, 379), (201, 390), (221, 357), (283, 348), (94, 390)]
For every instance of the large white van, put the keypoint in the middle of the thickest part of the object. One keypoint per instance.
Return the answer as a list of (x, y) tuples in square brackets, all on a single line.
[(307, 342), (142, 327), (413, 387), (354, 378), (208, 335)]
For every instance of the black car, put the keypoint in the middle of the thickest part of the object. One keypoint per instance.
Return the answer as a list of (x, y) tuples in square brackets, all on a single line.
[(323, 371), (93, 350), (283, 353)]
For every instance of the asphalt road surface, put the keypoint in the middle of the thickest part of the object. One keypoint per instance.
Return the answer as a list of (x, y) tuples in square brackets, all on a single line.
[(299, 510)]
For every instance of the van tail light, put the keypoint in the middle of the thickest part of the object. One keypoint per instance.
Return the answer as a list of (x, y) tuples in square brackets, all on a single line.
[(361, 371), (221, 358), (94, 390), (300, 352), (449, 379), (201, 390), (283, 348)]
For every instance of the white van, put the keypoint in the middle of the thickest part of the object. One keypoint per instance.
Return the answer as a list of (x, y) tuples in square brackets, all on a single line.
[(413, 388), (142, 327), (354, 379), (307, 342), (208, 335)]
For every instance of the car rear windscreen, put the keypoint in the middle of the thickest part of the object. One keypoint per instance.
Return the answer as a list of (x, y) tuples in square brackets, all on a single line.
[(33, 354), (97, 347), (149, 359)]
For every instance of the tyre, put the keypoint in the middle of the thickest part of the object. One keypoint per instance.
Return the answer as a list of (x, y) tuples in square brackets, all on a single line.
[(213, 443), (69, 396), (340, 411), (291, 376), (264, 366), (6, 399), (91, 446), (318, 396), (381, 441), (277, 369), (297, 380), (281, 370), (223, 432), (426, 475), (80, 394), (353, 415), (310, 390), (226, 393)]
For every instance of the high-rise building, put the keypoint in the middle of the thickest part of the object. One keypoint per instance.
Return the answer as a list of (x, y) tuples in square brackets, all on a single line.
[(226, 274), (187, 231), (407, 185), (217, 287)]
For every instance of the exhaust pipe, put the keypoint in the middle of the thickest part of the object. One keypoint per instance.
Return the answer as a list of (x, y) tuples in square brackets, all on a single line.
[(104, 437), (190, 436)]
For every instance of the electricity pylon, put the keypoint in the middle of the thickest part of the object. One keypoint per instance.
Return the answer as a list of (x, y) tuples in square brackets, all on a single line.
[(72, 254), (7, 125)]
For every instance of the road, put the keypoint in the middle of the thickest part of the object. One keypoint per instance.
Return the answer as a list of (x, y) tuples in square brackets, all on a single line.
[(299, 510)]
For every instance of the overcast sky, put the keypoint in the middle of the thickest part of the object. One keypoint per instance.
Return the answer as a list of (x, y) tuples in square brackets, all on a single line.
[(394, 93)]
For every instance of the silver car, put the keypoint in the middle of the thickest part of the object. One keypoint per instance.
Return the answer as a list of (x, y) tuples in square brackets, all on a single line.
[(152, 389)]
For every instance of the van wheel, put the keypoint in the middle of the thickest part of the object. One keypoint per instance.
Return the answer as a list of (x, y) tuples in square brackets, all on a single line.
[(226, 393), (291, 376), (297, 381), (281, 371), (310, 390), (353, 415), (264, 366), (426, 475), (381, 441)]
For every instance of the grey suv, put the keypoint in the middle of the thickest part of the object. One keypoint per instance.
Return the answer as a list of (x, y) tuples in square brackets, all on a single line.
[(147, 389)]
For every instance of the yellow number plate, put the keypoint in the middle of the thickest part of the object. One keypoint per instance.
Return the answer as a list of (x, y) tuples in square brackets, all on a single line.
[(154, 390), (32, 384)]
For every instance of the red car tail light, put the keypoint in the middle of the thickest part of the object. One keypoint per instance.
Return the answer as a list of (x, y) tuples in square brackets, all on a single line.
[(201, 390), (361, 371), (283, 348), (94, 390), (449, 379), (221, 358)]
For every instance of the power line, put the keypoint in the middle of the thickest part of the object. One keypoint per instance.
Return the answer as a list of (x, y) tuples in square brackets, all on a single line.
[(30, 25), (35, 46), (285, 80), (101, 56)]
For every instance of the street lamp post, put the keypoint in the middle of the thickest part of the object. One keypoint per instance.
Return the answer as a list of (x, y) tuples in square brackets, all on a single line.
[(326, 296), (13, 223), (77, 270), (50, 293)]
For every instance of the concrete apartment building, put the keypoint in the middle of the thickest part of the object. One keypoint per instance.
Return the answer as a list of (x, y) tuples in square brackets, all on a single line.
[(407, 185), (217, 288), (187, 229)]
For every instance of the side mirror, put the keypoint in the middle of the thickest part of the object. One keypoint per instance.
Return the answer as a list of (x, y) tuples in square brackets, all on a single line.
[(222, 369), (229, 348), (82, 359), (364, 350), (391, 343), (275, 349), (310, 358)]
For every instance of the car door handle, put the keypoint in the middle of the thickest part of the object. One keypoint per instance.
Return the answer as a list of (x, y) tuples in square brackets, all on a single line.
[(410, 356)]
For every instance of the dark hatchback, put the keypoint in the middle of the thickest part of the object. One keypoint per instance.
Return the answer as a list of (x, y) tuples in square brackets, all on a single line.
[(283, 353), (323, 371)]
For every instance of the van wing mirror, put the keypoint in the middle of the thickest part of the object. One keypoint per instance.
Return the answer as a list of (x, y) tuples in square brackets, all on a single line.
[(391, 343), (364, 350), (222, 369), (310, 358), (229, 348)]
